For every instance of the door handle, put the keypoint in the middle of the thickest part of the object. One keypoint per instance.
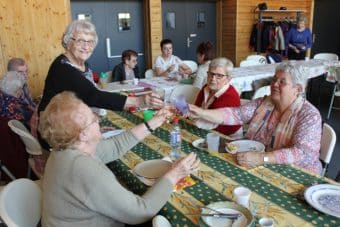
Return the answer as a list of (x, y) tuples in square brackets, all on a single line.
[(188, 41), (108, 50)]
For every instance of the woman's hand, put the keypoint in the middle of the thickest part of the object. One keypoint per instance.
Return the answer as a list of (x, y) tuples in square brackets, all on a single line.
[(250, 159), (183, 167), (171, 68), (159, 118), (153, 101), (195, 112)]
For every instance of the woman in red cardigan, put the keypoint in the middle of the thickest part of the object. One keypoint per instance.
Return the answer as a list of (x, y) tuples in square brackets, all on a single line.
[(218, 93)]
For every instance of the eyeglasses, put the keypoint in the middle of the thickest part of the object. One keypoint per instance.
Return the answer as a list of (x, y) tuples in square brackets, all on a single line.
[(282, 82), (94, 120), (82, 42), (24, 73), (217, 75)]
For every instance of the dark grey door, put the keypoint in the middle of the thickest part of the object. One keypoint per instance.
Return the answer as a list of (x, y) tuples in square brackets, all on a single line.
[(119, 27), (187, 23), (325, 27)]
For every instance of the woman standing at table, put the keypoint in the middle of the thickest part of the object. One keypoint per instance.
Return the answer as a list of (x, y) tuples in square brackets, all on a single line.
[(299, 40), (127, 69), (205, 53), (285, 122), (168, 64), (70, 72), (78, 188)]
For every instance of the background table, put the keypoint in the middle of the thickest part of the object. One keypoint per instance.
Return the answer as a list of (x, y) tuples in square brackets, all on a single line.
[(274, 187)]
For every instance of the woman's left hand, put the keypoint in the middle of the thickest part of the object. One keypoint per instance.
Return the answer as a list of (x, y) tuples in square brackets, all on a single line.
[(250, 159)]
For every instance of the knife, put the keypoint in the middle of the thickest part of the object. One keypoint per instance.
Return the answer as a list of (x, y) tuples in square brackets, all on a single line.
[(230, 216)]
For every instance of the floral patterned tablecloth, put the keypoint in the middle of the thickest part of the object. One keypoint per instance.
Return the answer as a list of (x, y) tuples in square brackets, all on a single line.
[(275, 188)]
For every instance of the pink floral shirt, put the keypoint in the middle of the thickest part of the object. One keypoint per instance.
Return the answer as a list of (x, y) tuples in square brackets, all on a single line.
[(304, 150)]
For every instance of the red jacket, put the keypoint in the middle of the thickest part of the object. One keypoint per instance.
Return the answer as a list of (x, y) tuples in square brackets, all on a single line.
[(229, 98)]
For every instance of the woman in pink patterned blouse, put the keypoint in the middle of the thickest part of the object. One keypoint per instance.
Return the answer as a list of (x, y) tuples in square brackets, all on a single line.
[(287, 124)]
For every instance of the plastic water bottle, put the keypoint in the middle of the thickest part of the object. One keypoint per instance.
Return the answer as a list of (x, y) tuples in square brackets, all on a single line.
[(175, 140)]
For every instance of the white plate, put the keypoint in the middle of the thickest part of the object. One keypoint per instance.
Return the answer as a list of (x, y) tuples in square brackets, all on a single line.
[(197, 143), (325, 198), (111, 133), (245, 219), (247, 145), (152, 169)]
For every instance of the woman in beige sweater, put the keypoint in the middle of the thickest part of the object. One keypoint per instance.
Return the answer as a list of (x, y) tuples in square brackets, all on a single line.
[(78, 188)]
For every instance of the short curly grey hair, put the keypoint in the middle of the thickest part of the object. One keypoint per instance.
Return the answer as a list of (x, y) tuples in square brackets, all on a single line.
[(77, 26), (297, 73), (11, 83), (223, 63)]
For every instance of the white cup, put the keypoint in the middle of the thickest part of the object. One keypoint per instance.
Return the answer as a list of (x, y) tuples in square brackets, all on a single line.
[(213, 141), (102, 112), (242, 196), (266, 222), (135, 81)]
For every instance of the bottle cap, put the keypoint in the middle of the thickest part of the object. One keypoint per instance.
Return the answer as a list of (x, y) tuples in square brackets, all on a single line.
[(175, 120), (103, 75)]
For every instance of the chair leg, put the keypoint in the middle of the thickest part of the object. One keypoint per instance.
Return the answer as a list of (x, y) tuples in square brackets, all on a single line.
[(331, 104), (324, 170)]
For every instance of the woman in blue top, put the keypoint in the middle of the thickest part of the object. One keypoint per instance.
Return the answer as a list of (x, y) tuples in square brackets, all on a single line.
[(298, 40)]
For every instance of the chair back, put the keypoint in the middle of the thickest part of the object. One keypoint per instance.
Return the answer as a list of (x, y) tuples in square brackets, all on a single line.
[(160, 221), (31, 143), (328, 140), (259, 58), (246, 63), (20, 203), (149, 73), (188, 91), (191, 64), (262, 91), (326, 56)]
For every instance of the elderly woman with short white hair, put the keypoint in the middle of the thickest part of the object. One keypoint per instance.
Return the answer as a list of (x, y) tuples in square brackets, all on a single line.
[(13, 104), (285, 122), (71, 72)]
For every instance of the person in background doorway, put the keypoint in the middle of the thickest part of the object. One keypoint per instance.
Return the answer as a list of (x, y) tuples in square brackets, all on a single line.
[(299, 40), (127, 69), (205, 53), (218, 93), (167, 64)]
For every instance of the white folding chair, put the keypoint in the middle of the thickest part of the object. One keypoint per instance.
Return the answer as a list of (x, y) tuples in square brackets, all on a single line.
[(262, 91), (328, 140), (246, 63), (335, 93), (20, 203), (326, 56), (191, 64), (31, 144), (149, 73), (160, 221), (259, 58), (188, 91)]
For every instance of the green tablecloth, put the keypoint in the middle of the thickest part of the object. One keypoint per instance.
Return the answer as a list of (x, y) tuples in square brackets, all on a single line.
[(274, 187)]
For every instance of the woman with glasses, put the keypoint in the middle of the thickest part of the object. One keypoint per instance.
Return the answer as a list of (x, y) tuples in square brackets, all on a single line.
[(70, 72), (127, 69), (78, 188), (285, 122), (218, 93)]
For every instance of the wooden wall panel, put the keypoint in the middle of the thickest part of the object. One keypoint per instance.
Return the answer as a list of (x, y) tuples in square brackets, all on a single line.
[(246, 18), (32, 30)]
